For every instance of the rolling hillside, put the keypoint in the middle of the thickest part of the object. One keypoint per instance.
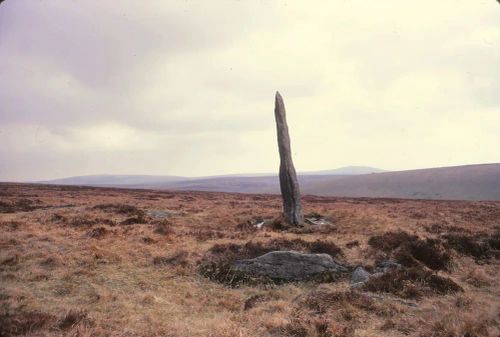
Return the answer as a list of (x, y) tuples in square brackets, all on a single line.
[(114, 180), (469, 182), (126, 180)]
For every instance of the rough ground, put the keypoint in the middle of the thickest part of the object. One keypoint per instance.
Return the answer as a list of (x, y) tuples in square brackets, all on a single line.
[(110, 262)]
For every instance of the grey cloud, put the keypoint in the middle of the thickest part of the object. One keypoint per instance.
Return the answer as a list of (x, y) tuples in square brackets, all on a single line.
[(101, 53), (186, 87), (96, 41)]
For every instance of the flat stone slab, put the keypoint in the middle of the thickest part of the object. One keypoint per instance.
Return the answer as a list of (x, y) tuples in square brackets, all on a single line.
[(289, 266), (318, 221)]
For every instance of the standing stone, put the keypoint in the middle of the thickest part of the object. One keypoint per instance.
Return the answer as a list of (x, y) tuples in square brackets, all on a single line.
[(292, 210)]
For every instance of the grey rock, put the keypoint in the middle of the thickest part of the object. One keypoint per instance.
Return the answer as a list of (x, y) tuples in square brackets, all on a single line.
[(386, 266), (158, 214), (358, 285), (382, 298), (292, 209), (318, 221), (360, 275), (290, 266)]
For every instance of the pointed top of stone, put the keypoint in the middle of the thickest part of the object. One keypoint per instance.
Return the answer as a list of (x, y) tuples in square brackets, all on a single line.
[(279, 105), (278, 98)]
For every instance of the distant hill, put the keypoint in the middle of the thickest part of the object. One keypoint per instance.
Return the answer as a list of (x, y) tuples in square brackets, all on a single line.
[(348, 170), (267, 184), (114, 180), (153, 180), (469, 182)]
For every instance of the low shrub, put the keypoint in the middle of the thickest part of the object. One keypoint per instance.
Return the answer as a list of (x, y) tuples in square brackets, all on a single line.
[(252, 301), (71, 318), (232, 252), (10, 225), (163, 227), (120, 209), (20, 205), (250, 226), (480, 247), (85, 221), (15, 321), (411, 251), (97, 233), (148, 240), (389, 241), (176, 259), (279, 224), (429, 252), (352, 244), (133, 221), (412, 283)]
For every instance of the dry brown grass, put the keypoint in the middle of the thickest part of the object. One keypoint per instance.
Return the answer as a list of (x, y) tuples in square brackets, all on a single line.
[(411, 251), (73, 263)]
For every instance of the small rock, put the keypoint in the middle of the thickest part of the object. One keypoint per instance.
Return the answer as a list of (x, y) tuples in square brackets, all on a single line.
[(259, 225), (318, 221), (158, 214), (360, 275), (357, 285), (385, 266)]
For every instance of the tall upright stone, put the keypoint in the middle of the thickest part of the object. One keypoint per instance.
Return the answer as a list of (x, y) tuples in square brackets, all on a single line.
[(292, 209)]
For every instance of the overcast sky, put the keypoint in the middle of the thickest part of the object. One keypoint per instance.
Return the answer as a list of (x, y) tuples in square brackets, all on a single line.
[(187, 87)]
